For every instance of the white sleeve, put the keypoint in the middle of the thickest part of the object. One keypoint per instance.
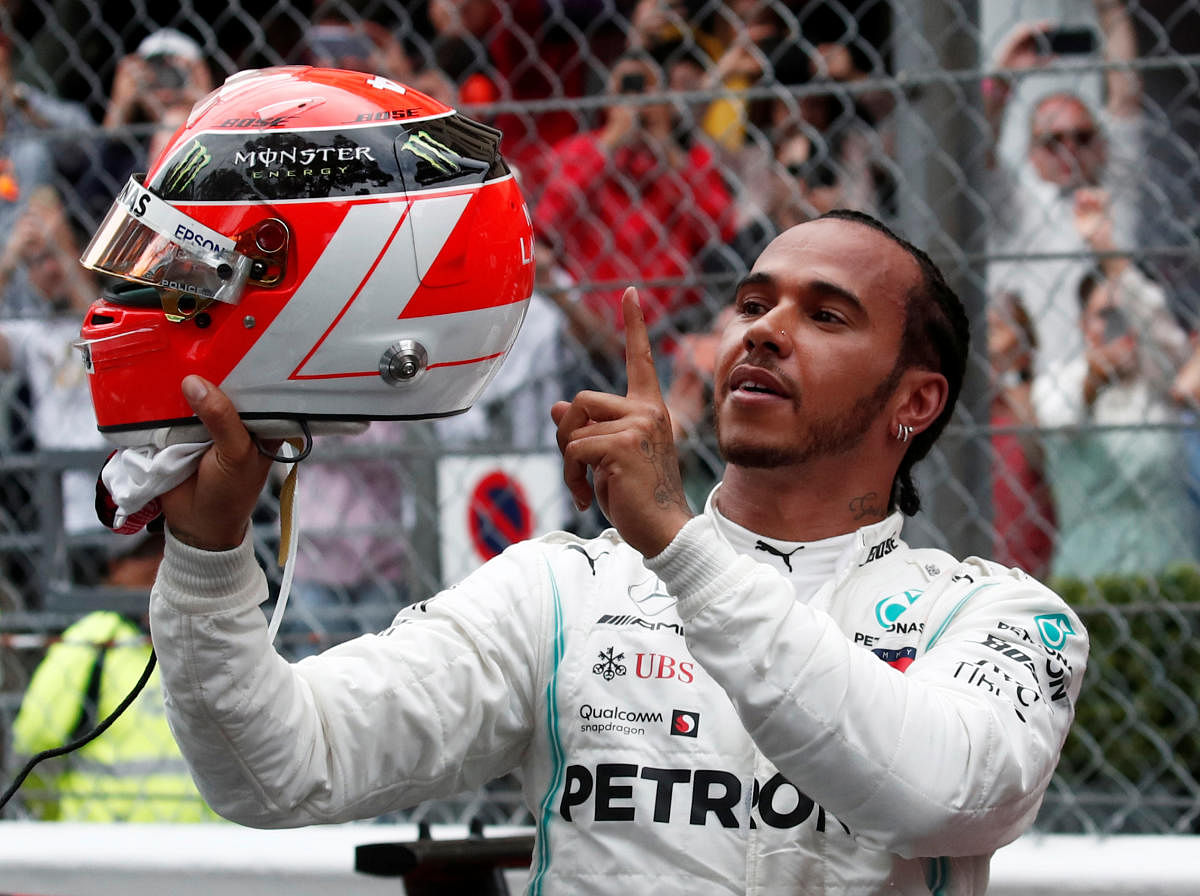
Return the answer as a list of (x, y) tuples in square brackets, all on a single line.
[(19, 333), (1057, 394), (1157, 329), (921, 763), (439, 703)]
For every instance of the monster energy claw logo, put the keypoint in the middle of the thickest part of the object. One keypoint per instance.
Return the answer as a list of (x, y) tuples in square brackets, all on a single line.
[(187, 168), (437, 154)]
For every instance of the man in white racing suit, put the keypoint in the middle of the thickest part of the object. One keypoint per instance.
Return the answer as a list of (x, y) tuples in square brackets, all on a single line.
[(777, 695)]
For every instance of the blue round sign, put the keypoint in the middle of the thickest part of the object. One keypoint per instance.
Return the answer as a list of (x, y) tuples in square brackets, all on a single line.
[(498, 514)]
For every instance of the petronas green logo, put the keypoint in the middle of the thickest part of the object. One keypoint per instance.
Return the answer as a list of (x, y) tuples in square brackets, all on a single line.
[(185, 171), (437, 154)]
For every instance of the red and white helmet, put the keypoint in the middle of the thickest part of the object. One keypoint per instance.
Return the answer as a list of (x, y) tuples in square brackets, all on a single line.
[(324, 245)]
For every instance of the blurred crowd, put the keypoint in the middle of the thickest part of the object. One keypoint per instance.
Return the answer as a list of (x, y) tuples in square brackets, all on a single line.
[(686, 138)]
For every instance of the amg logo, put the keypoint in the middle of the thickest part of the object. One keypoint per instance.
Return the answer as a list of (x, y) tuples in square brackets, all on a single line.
[(882, 549), (639, 622)]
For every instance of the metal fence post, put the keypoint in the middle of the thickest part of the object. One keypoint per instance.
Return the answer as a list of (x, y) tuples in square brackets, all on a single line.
[(940, 56)]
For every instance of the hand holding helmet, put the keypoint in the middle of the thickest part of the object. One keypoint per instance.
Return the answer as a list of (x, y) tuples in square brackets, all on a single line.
[(211, 510), (326, 247)]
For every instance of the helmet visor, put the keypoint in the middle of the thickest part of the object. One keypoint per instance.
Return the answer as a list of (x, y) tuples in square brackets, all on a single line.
[(147, 240)]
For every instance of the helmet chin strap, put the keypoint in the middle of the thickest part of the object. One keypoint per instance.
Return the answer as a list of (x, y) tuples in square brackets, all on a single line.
[(303, 452)]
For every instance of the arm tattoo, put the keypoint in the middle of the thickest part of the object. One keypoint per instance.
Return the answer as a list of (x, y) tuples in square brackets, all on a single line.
[(669, 488)]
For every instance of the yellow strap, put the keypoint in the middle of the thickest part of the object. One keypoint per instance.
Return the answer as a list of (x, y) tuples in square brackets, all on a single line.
[(286, 496)]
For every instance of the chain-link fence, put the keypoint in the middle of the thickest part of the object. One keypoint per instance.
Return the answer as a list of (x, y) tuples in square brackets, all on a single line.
[(1051, 172)]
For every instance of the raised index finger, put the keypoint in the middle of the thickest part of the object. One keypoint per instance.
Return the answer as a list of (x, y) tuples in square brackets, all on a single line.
[(639, 360)]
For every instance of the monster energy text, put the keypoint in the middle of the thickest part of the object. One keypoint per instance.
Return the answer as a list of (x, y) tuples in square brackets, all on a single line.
[(322, 155)]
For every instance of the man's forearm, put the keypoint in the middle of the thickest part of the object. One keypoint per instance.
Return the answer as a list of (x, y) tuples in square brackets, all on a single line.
[(1123, 83)]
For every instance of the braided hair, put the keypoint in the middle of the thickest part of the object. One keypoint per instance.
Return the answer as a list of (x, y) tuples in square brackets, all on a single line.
[(936, 337)]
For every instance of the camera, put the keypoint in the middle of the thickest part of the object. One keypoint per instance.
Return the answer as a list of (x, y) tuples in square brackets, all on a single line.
[(165, 74)]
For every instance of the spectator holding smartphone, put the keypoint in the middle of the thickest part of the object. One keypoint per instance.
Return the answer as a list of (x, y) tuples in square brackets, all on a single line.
[(630, 202), (167, 69), (166, 72), (1042, 256), (1116, 459)]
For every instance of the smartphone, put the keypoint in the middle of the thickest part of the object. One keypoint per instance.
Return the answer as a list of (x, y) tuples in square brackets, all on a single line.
[(1071, 41), (1116, 323), (165, 74), (633, 82)]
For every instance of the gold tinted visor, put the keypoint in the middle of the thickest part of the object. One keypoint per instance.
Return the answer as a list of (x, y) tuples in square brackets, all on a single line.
[(147, 240)]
